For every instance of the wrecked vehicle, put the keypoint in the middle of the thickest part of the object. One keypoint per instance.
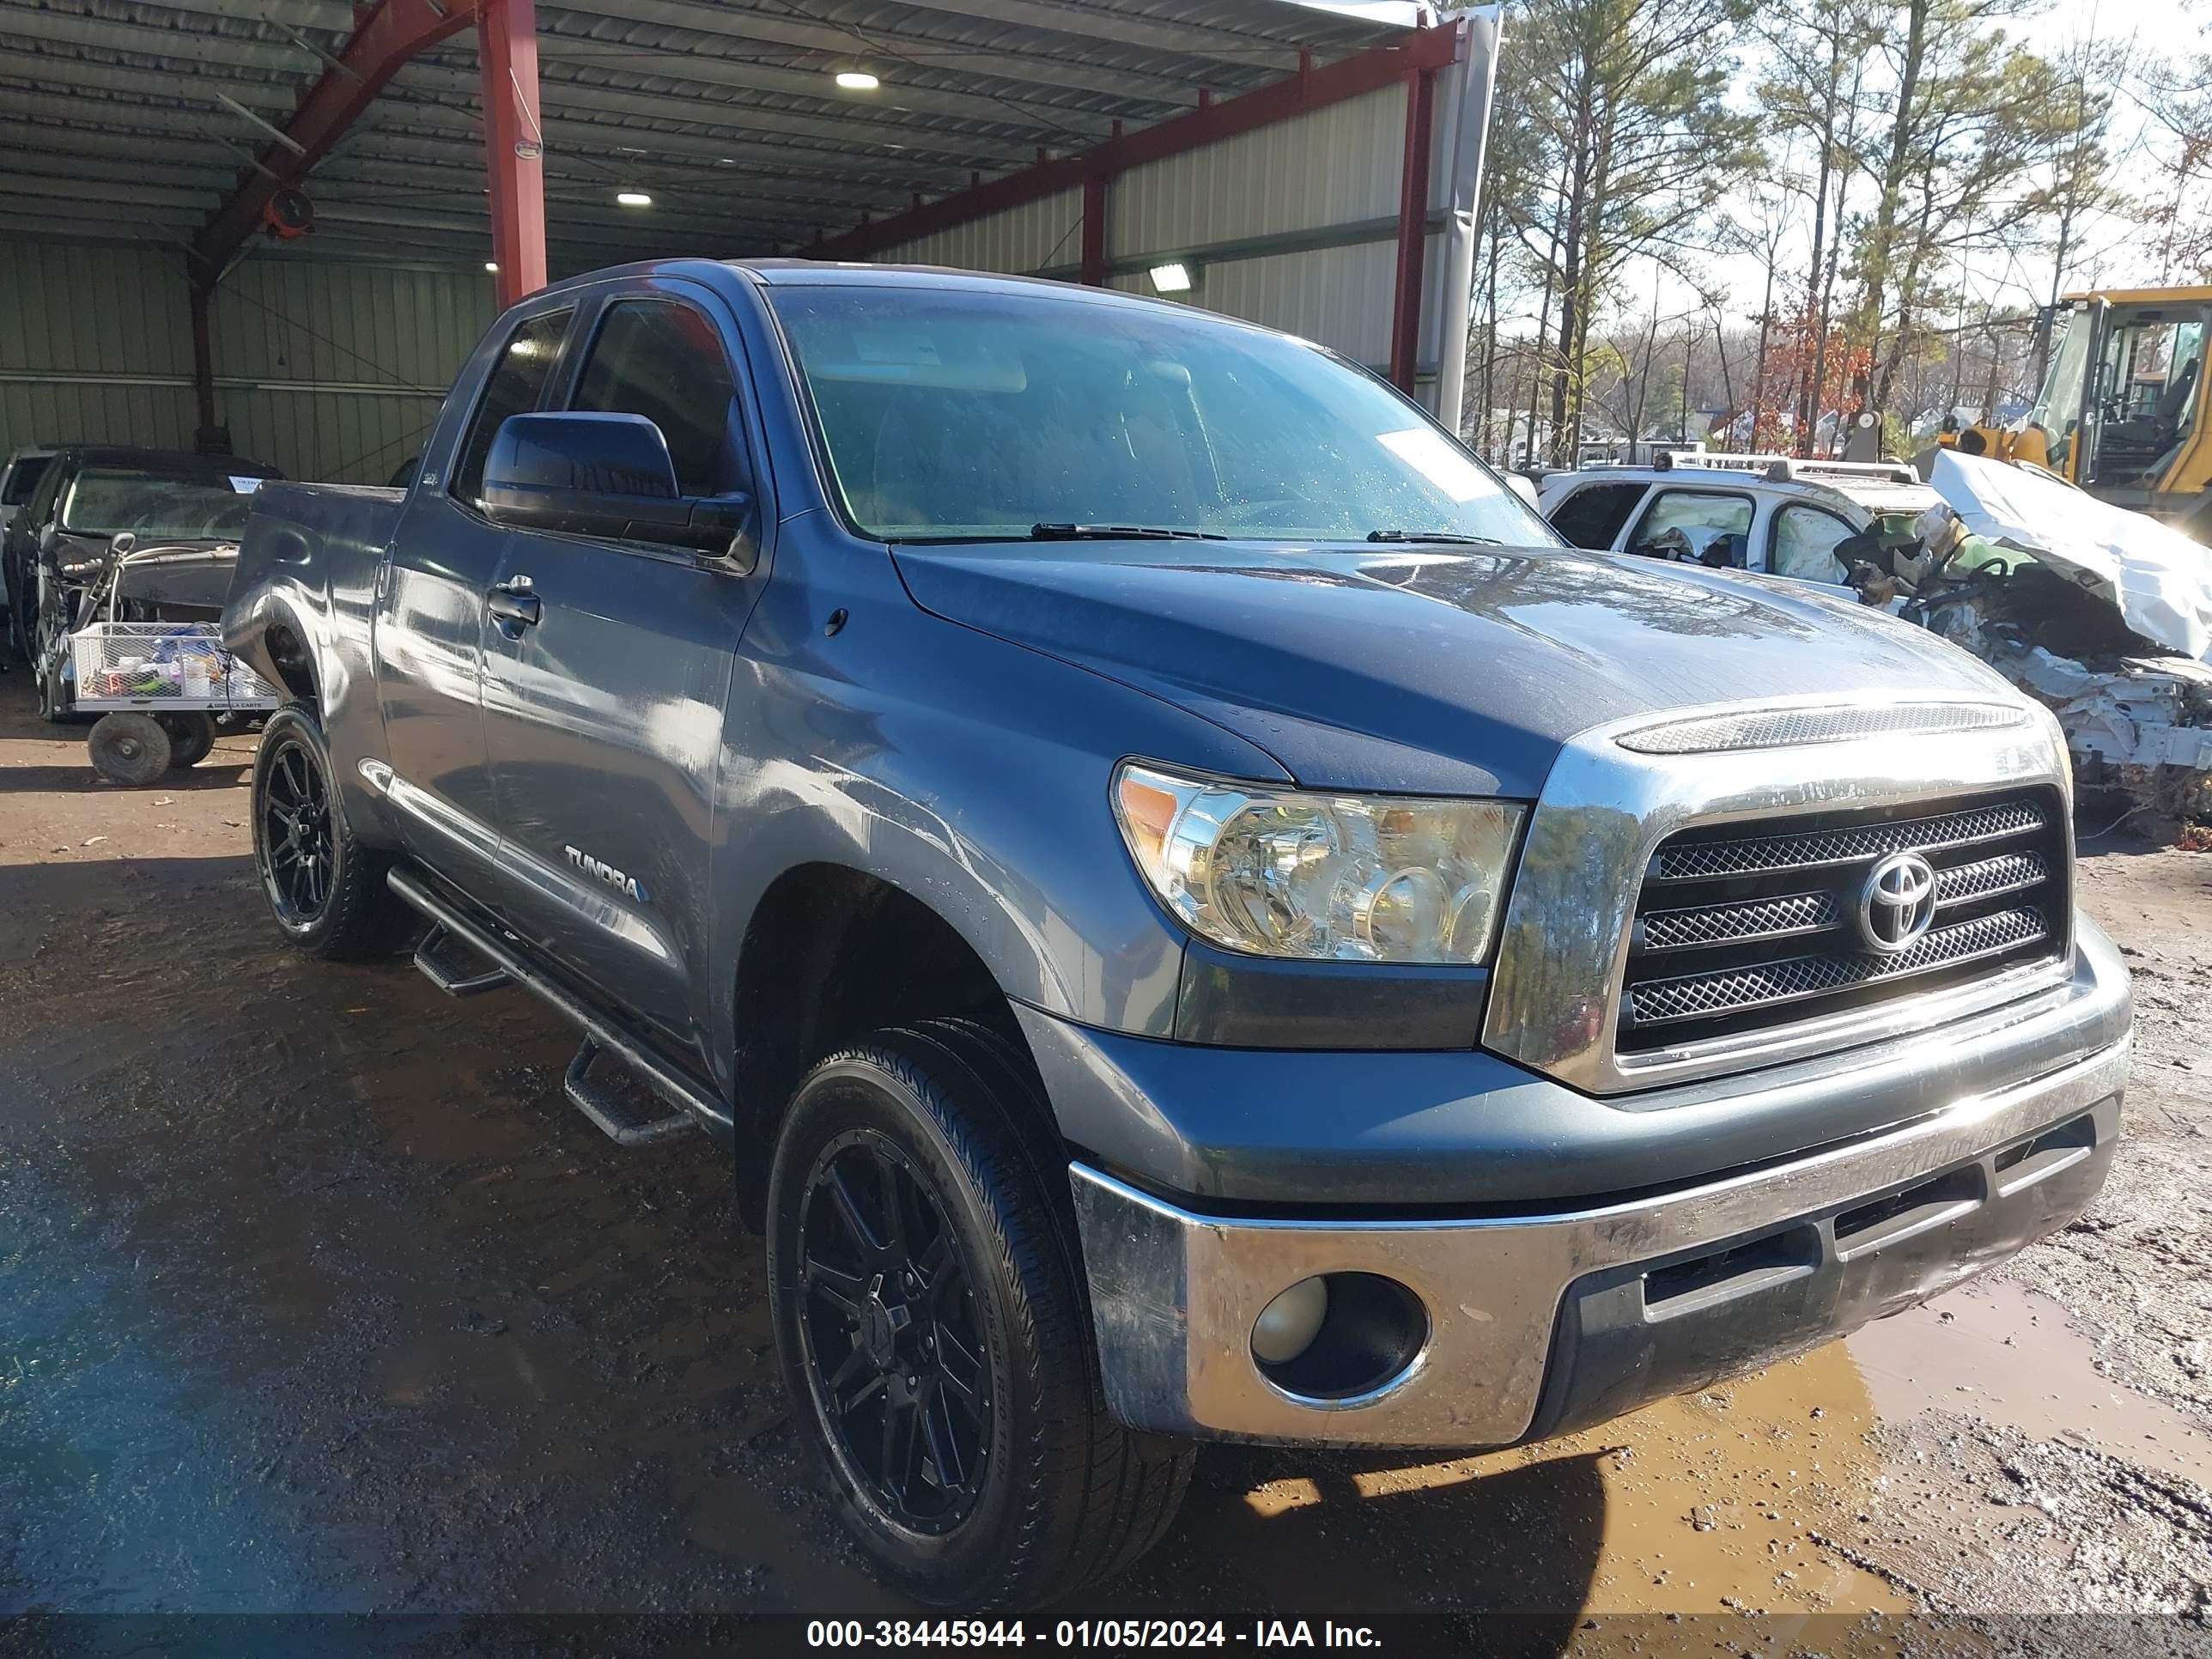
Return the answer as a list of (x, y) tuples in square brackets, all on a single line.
[(2102, 614), (1192, 915)]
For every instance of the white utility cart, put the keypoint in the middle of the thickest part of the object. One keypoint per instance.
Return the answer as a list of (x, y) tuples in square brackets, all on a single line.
[(160, 688)]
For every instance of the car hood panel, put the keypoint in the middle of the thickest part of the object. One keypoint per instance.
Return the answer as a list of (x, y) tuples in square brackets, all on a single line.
[(1437, 671)]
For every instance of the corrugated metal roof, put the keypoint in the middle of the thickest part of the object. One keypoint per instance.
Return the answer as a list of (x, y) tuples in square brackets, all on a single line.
[(113, 123)]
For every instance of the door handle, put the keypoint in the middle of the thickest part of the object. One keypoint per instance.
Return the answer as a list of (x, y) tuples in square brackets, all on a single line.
[(513, 607)]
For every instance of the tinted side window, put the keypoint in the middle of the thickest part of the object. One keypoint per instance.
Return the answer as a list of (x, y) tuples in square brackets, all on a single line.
[(1593, 515), (517, 381), (42, 498), (24, 479), (665, 361)]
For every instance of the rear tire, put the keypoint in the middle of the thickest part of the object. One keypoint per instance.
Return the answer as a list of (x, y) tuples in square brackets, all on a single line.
[(325, 889), (192, 739), (131, 750), (923, 1265)]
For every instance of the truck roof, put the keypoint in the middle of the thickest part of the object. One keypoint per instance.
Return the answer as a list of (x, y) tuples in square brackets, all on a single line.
[(784, 272)]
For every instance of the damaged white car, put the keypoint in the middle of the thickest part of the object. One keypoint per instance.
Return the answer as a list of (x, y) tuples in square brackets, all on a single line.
[(2105, 615)]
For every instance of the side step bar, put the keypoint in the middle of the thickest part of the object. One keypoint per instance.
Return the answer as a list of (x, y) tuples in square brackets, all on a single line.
[(695, 1108), (430, 961)]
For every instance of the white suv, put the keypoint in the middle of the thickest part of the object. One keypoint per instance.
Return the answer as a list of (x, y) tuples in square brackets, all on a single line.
[(1766, 512)]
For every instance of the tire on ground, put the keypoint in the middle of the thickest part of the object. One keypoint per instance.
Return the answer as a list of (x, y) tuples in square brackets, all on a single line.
[(325, 889), (132, 750), (192, 738), (1066, 1496)]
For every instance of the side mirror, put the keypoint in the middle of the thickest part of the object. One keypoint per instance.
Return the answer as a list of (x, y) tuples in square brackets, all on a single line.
[(1522, 486), (602, 474)]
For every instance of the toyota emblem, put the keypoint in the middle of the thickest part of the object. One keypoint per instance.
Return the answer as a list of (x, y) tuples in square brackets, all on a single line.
[(1897, 903)]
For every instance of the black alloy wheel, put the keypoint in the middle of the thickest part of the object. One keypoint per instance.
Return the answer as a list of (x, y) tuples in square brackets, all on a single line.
[(297, 833), (893, 1341)]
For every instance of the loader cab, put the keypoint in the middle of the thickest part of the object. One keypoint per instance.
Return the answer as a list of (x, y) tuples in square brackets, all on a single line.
[(2121, 410)]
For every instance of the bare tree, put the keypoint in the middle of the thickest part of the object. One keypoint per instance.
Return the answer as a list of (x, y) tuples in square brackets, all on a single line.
[(1628, 95)]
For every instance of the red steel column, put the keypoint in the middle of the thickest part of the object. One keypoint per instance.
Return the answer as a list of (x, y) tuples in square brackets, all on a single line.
[(1413, 228), (205, 438), (507, 44), (1094, 230)]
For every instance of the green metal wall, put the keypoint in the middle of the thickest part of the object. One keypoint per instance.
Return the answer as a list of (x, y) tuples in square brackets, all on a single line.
[(324, 369)]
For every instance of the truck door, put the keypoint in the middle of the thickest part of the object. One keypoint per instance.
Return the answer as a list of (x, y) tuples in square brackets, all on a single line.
[(602, 717), (430, 614)]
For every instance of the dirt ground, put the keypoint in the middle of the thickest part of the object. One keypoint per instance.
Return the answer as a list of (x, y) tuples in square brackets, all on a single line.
[(314, 1296)]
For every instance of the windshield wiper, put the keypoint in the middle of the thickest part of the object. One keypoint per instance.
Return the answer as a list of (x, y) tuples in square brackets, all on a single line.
[(1117, 533), (1444, 536)]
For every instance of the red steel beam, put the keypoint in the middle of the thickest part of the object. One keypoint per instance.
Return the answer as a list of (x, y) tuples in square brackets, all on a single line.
[(1413, 228), (389, 33), (1426, 50), (1094, 230), (206, 436), (507, 40)]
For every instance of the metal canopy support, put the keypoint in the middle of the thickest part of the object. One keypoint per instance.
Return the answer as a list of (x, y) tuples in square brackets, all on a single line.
[(515, 144), (1476, 73), (1423, 50), (211, 439), (1095, 191), (387, 35), (1413, 228)]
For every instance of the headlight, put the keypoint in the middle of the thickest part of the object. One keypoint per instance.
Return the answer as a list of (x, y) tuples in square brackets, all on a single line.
[(1281, 872)]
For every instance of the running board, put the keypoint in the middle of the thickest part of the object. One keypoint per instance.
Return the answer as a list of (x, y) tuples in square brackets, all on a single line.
[(695, 1106), (591, 1098), (431, 963)]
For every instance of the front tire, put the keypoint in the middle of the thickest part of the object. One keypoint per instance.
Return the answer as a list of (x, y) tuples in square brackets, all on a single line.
[(932, 1325), (131, 750), (325, 890)]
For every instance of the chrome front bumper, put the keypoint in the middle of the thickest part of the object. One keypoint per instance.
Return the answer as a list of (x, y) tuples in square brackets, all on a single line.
[(1538, 1323)]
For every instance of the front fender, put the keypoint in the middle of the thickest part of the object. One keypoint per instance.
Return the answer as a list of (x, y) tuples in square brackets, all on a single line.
[(968, 772)]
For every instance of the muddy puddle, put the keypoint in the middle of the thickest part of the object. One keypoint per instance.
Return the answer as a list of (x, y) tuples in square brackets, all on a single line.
[(2012, 1358)]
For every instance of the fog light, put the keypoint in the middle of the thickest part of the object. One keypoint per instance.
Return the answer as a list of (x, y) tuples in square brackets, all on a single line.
[(1287, 1325)]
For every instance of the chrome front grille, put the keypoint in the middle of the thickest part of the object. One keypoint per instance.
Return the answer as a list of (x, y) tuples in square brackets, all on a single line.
[(1682, 859), (1736, 931)]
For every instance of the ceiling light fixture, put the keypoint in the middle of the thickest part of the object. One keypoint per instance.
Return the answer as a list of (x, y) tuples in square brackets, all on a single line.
[(1174, 277), (632, 198), (492, 266), (857, 80)]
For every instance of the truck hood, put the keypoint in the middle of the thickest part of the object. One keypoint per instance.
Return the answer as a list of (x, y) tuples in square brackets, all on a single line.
[(1446, 671)]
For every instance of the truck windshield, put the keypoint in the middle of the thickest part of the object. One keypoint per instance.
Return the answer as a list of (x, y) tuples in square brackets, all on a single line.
[(959, 415), (103, 500)]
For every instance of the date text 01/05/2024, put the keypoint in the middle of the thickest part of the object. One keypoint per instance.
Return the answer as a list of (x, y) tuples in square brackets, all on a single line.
[(1086, 1633)]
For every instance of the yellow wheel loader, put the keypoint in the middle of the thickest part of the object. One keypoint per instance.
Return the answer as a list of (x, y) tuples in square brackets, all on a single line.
[(2121, 411)]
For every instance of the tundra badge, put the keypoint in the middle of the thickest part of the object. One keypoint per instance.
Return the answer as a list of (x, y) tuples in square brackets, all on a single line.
[(607, 873)]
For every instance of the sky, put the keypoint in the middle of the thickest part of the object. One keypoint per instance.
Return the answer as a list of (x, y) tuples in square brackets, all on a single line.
[(2112, 248)]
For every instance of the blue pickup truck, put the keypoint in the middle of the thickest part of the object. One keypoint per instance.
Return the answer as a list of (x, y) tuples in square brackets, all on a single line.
[(1195, 916)]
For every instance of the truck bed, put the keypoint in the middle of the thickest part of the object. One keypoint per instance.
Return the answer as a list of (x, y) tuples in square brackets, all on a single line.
[(303, 545)]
